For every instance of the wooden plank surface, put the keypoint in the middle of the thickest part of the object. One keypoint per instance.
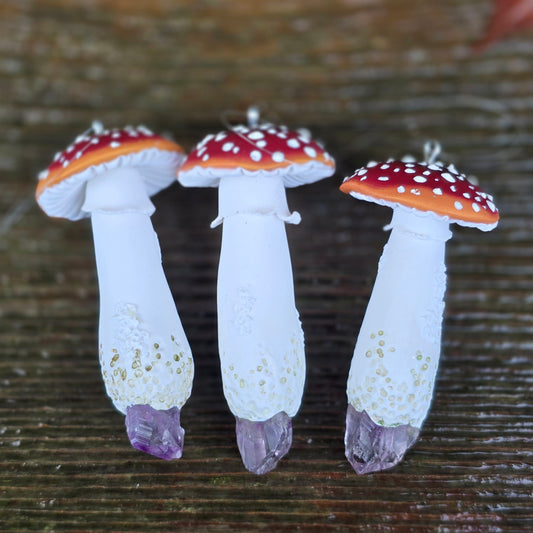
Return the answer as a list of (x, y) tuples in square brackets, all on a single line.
[(371, 79)]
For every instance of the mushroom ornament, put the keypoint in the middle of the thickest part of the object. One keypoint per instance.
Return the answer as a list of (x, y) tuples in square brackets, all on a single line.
[(261, 343), (145, 358), (392, 374)]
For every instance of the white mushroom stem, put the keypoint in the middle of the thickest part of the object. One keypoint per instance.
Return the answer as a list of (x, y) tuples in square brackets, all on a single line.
[(260, 336), (396, 356), (144, 354)]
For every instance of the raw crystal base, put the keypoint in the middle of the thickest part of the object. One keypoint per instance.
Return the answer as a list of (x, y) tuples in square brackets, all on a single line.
[(157, 432), (371, 447), (263, 444)]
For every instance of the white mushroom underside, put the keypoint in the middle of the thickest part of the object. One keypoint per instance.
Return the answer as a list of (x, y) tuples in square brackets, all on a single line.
[(293, 175), (66, 198), (443, 218)]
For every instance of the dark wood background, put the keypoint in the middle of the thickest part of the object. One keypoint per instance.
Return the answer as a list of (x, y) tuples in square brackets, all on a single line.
[(371, 79)]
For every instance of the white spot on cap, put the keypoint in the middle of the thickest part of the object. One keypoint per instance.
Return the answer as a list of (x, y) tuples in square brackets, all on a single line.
[(236, 150), (492, 207), (397, 169), (452, 168), (293, 143), (256, 155), (96, 140), (220, 136), (361, 171), (383, 178), (115, 135), (437, 191), (416, 192), (466, 195), (206, 157), (448, 177), (453, 188), (44, 174), (205, 140), (256, 135), (401, 189), (310, 151), (79, 154), (145, 130), (304, 134), (420, 179), (65, 164), (426, 172), (458, 206), (384, 166), (226, 147), (410, 171), (278, 157), (261, 144), (476, 207), (114, 144)]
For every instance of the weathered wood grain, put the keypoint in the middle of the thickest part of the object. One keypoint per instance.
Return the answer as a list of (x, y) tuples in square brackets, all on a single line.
[(371, 78)]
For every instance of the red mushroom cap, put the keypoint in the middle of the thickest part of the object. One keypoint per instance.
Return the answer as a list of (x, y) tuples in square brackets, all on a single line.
[(61, 188), (431, 188), (264, 149)]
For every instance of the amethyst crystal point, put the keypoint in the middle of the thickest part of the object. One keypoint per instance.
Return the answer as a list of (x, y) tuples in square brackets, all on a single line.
[(371, 447), (157, 432), (263, 444)]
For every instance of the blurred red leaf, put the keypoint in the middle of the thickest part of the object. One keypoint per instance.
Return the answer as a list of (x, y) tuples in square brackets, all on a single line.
[(508, 17)]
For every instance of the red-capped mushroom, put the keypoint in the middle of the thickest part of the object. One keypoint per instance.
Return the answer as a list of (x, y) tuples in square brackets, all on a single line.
[(145, 358), (395, 360), (261, 342)]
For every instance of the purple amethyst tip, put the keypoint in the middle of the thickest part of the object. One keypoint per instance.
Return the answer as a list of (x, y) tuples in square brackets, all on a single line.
[(263, 444), (157, 432), (371, 447)]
